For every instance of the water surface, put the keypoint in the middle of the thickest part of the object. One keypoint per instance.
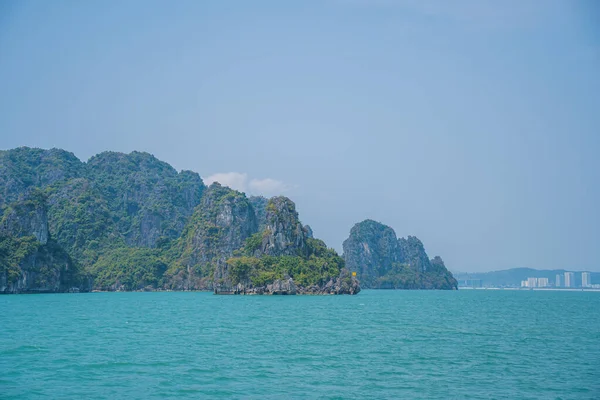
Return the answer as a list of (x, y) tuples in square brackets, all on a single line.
[(378, 344)]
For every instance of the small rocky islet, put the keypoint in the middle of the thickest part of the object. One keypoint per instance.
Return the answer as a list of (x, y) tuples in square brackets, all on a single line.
[(127, 222)]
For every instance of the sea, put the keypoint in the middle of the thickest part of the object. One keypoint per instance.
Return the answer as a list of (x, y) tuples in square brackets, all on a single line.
[(379, 344)]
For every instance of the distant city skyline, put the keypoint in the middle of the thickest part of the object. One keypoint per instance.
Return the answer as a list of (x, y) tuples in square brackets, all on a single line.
[(530, 278)]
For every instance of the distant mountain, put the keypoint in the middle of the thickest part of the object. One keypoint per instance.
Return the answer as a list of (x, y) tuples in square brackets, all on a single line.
[(513, 277), (382, 261), (132, 222)]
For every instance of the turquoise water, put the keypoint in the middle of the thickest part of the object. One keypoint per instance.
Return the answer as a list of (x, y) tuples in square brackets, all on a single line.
[(378, 344)]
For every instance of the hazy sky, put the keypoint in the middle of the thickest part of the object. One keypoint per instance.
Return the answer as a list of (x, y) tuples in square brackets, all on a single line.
[(474, 125)]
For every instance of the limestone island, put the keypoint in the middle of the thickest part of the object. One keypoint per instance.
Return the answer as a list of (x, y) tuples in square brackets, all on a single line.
[(130, 222)]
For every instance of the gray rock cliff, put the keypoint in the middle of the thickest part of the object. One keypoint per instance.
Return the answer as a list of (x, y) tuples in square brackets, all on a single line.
[(308, 232), (283, 234), (383, 261), (27, 218), (259, 203), (30, 261), (219, 226), (148, 197), (371, 250)]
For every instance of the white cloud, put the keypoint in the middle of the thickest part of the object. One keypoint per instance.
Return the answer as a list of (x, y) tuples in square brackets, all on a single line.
[(267, 186), (235, 180), (240, 181)]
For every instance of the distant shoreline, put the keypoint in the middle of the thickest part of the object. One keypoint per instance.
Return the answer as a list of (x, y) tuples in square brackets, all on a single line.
[(535, 289)]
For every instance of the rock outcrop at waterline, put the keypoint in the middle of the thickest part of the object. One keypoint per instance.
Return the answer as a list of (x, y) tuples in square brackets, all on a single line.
[(30, 260), (345, 283), (383, 261), (285, 259)]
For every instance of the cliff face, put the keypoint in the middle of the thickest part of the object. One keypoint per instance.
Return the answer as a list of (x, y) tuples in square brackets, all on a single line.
[(27, 218), (440, 274), (284, 260), (371, 250), (412, 252), (382, 261), (225, 219), (30, 261), (283, 234), (42, 268), (227, 224), (259, 203), (219, 226), (81, 221), (148, 197), (308, 232)]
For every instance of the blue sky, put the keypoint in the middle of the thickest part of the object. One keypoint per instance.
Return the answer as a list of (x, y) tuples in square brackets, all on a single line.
[(474, 125)]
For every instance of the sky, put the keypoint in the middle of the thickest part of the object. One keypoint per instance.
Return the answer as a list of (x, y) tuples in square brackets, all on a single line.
[(473, 125)]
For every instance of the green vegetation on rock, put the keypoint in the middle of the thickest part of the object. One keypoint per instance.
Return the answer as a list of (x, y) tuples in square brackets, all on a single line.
[(132, 222), (384, 262), (321, 265), (13, 250), (94, 210), (26, 265), (147, 198), (130, 269), (283, 251), (23, 169)]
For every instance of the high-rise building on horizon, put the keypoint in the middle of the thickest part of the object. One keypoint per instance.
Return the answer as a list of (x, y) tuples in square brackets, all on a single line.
[(557, 283), (542, 282), (586, 279), (569, 279), (533, 282)]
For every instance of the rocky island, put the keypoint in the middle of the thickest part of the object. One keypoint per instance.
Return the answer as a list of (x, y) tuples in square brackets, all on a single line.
[(130, 222), (383, 261), (125, 222)]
